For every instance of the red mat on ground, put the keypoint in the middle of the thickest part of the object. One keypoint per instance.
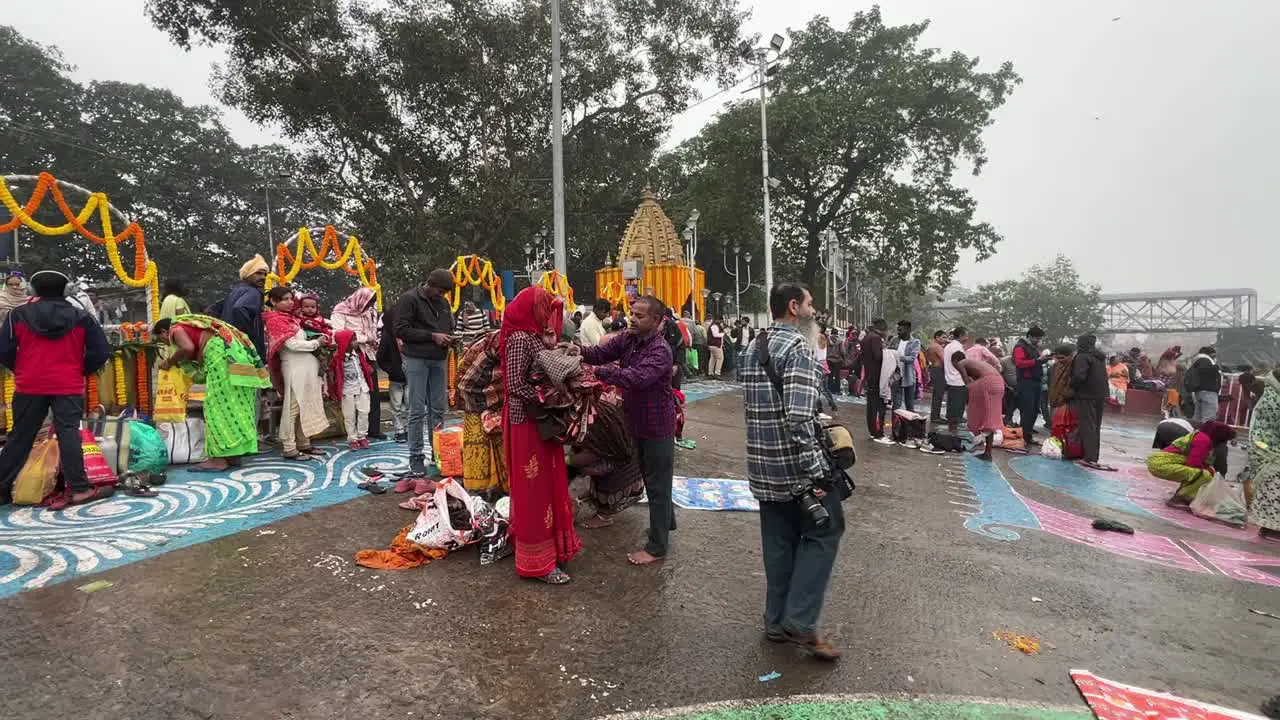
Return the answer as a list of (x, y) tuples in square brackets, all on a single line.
[(1111, 700)]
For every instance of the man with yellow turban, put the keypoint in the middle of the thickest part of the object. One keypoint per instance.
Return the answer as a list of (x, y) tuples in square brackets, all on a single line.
[(243, 305)]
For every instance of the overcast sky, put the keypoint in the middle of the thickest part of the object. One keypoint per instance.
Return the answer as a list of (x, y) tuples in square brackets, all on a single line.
[(1144, 147)]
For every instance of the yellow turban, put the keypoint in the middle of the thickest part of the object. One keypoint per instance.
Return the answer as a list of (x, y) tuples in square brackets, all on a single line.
[(257, 264)]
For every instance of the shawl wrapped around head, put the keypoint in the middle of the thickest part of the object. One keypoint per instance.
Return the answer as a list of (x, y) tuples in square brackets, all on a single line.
[(345, 341), (358, 306), (281, 326)]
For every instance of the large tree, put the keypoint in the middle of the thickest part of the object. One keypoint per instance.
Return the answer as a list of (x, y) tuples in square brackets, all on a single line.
[(1050, 295), (432, 116), (867, 131), (169, 166)]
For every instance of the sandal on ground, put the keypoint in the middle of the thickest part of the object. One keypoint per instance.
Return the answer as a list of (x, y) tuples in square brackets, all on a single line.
[(90, 495), (135, 487), (300, 457), (372, 486), (1096, 466), (555, 577)]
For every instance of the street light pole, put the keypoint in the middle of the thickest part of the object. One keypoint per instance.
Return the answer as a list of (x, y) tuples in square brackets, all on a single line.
[(266, 192), (691, 240), (763, 57), (557, 147), (762, 64)]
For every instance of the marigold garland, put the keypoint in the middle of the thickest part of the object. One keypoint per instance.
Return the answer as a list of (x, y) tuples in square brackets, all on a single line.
[(616, 293), (122, 394), (145, 273), (94, 400), (476, 271), (9, 389), (559, 285), (350, 258)]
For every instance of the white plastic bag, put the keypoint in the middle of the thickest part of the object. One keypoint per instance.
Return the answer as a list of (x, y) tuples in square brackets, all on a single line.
[(433, 529), (184, 441), (1052, 448), (1221, 501)]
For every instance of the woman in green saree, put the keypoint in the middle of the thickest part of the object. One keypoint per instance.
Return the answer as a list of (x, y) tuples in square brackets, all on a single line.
[(223, 358)]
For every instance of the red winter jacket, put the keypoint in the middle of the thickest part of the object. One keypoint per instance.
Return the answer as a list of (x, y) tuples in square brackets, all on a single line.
[(51, 345)]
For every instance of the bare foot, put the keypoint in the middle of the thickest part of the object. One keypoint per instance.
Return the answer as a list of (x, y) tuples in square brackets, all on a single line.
[(641, 557), (597, 521)]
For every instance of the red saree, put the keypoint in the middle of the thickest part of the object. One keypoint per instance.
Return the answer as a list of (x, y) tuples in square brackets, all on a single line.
[(541, 509)]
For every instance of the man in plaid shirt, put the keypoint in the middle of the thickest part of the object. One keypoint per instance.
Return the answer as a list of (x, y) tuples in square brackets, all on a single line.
[(783, 452)]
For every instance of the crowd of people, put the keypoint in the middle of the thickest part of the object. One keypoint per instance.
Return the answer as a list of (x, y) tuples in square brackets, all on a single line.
[(548, 397)]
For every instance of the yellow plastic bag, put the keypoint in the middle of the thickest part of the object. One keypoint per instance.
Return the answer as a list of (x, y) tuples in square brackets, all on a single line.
[(39, 475), (172, 389)]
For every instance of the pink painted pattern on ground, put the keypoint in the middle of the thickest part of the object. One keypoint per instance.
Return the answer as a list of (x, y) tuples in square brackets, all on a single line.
[(1239, 564), (1150, 493), (1156, 549)]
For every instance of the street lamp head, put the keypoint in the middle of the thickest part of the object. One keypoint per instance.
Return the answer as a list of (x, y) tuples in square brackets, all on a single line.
[(693, 216), (776, 42), (737, 249), (716, 296), (705, 293), (528, 249), (687, 235), (744, 47), (747, 257)]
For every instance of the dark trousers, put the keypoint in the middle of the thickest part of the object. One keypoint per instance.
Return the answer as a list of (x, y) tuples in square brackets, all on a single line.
[(875, 412), (1028, 405), (798, 558), (1009, 404), (1046, 410), (1089, 417), (375, 406), (957, 401), (938, 390), (29, 412), (657, 464)]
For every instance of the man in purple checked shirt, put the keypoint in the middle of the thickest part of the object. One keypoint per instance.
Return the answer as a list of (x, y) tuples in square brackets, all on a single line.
[(644, 375)]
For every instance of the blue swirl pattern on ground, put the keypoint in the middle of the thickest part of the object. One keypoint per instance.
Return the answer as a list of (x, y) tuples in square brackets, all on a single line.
[(39, 547)]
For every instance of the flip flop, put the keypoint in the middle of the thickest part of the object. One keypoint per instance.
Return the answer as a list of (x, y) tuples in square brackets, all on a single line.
[(555, 577), (1097, 466), (371, 471), (372, 486)]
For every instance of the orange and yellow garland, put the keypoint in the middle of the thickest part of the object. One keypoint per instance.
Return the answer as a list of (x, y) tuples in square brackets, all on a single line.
[(331, 255), (94, 400), (8, 400), (559, 285), (144, 275), (140, 331), (476, 271)]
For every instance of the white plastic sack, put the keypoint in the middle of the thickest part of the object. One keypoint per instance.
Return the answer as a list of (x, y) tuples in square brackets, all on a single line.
[(433, 529), (184, 441), (1221, 501), (1052, 448)]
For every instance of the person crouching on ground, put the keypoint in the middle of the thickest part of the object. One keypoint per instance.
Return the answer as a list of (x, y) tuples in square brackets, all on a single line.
[(985, 398), (1189, 460), (51, 346), (644, 375), (783, 454), (352, 380)]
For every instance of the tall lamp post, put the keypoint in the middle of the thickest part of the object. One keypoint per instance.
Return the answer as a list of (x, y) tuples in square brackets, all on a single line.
[(691, 252), (557, 147), (737, 289), (267, 187), (764, 57), (535, 254), (715, 296)]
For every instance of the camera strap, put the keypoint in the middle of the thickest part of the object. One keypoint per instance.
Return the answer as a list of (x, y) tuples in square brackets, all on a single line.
[(766, 364)]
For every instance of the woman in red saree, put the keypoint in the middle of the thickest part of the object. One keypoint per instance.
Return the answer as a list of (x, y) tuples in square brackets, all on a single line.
[(541, 509)]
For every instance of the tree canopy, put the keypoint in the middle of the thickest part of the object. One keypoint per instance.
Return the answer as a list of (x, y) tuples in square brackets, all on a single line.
[(431, 117), (170, 166), (1050, 295), (866, 133)]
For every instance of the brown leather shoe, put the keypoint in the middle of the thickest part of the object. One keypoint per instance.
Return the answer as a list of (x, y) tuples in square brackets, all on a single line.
[(815, 645)]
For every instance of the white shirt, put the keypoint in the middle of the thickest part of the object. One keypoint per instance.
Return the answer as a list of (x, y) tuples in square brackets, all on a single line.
[(591, 332), (952, 374)]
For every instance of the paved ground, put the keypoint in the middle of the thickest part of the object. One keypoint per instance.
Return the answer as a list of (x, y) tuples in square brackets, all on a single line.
[(283, 625)]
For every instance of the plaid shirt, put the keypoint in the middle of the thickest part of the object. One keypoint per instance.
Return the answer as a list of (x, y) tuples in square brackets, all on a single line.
[(782, 444), (644, 374)]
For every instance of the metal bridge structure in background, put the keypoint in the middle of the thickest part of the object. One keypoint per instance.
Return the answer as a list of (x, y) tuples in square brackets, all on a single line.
[(1158, 312)]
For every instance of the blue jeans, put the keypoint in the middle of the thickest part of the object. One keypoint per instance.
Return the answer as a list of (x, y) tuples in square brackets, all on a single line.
[(798, 558), (1206, 406), (425, 382)]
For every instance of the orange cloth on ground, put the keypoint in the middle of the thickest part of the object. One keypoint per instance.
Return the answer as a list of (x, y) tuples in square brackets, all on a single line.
[(402, 555)]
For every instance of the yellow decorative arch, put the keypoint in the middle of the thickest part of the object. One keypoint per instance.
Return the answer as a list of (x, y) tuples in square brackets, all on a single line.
[(331, 255), (145, 274), (559, 285), (475, 271)]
